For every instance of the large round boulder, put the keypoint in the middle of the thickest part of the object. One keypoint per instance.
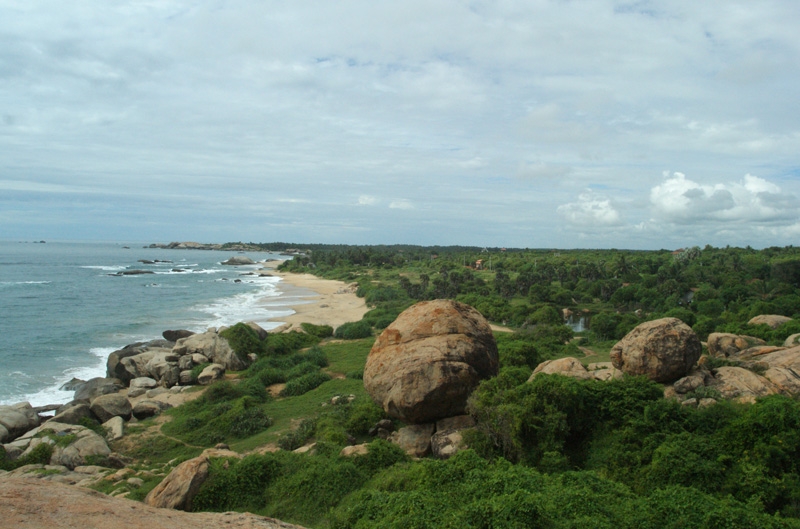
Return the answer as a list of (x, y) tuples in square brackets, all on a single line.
[(663, 350), (424, 366)]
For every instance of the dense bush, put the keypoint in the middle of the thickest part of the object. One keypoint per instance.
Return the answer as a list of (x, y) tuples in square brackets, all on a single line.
[(353, 330), (244, 340), (319, 331), (284, 343), (304, 384)]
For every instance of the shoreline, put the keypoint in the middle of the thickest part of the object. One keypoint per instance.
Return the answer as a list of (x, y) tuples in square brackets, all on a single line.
[(313, 299)]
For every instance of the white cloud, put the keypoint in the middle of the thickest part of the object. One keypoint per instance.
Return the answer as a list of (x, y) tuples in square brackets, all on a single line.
[(401, 204), (591, 210), (367, 200), (753, 199)]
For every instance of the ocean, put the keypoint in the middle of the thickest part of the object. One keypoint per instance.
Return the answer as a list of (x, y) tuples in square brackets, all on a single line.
[(62, 311)]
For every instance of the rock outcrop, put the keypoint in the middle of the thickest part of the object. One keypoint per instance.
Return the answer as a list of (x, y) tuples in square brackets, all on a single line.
[(238, 261), (424, 365), (214, 347), (180, 487), (771, 320), (569, 367), (17, 419), (663, 350), (723, 344), (33, 503)]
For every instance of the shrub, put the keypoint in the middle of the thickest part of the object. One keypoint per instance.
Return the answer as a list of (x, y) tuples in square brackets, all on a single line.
[(353, 330), (243, 340), (304, 384), (319, 331), (285, 343), (298, 437), (40, 455)]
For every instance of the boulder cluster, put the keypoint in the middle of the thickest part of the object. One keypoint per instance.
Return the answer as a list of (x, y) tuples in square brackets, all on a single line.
[(140, 379), (423, 368)]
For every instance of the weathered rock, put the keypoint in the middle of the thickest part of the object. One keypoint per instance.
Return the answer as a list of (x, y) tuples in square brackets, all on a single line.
[(737, 383), (262, 334), (663, 350), (185, 363), (199, 359), (135, 366), (211, 374), (415, 440), (174, 336), (96, 387), (186, 378), (155, 392), (447, 443), (5, 435), (214, 347), (792, 341), (143, 382), (108, 406), (354, 450), (115, 427), (782, 368), (238, 260), (180, 487), (568, 367), (36, 504), (72, 385), (706, 402), (18, 419), (424, 366), (163, 367), (459, 422), (74, 414), (149, 408), (85, 446), (723, 344), (113, 367), (772, 320), (136, 392), (688, 384)]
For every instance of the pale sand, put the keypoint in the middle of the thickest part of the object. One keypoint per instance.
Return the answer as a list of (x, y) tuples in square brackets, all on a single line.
[(315, 300)]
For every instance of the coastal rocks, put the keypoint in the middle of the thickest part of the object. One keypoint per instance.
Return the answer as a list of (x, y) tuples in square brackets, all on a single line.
[(771, 320), (143, 382), (723, 345), (149, 408), (107, 406), (424, 365), (180, 487), (212, 346), (211, 374), (84, 445), (663, 350), (792, 340), (74, 414), (96, 387), (17, 419), (174, 336), (238, 261)]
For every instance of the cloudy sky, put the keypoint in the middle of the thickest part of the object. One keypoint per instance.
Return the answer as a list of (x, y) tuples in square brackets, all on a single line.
[(532, 123)]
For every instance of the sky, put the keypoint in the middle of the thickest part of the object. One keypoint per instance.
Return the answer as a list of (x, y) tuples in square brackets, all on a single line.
[(525, 124)]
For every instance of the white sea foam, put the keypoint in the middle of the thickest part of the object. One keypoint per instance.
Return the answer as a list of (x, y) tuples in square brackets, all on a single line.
[(246, 306), (51, 394), (104, 268)]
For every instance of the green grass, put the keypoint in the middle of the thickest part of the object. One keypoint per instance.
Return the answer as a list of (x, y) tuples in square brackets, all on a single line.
[(284, 412), (346, 357)]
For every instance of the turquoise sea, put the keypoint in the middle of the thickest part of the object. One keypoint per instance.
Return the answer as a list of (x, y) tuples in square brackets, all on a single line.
[(62, 311)]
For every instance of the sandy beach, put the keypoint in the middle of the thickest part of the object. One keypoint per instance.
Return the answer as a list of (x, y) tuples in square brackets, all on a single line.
[(315, 300)]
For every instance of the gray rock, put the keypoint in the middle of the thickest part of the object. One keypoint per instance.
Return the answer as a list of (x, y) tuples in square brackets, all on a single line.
[(459, 422), (174, 336), (18, 419), (185, 362), (115, 427), (96, 387), (85, 445), (108, 406), (238, 260), (72, 385), (214, 347), (74, 414), (143, 382), (149, 408), (185, 378), (415, 440), (447, 443), (152, 393), (688, 384), (211, 374), (199, 359), (136, 392)]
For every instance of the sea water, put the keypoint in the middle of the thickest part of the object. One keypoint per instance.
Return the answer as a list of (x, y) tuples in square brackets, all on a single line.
[(62, 309)]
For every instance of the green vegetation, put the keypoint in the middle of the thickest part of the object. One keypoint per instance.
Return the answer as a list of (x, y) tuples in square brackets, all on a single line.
[(555, 452)]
